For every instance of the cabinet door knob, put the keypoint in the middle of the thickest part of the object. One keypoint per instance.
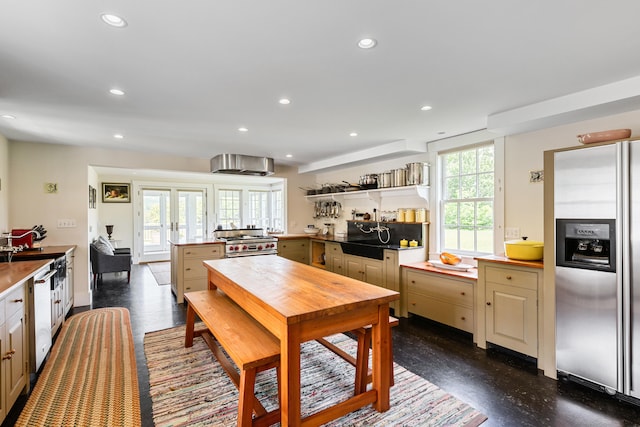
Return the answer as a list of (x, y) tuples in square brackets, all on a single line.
[(508, 277), (17, 300), (488, 303), (188, 269), (462, 293), (7, 356), (413, 281), (463, 318)]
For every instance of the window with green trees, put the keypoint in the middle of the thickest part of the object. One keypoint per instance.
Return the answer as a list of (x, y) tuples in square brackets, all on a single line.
[(467, 205)]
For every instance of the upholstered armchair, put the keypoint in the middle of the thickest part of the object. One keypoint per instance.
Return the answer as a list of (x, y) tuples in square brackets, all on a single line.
[(106, 259)]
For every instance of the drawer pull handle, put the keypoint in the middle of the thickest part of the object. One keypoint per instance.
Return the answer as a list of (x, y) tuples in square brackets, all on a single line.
[(188, 269), (413, 281), (17, 300), (463, 318), (488, 303), (413, 303), (462, 293), (189, 253), (508, 277)]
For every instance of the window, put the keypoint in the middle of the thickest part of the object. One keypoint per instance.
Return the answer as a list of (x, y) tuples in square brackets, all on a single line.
[(467, 203), (242, 206), (277, 208), (229, 208), (259, 209)]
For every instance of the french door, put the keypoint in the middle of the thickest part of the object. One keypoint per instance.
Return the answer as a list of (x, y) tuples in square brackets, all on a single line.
[(169, 214)]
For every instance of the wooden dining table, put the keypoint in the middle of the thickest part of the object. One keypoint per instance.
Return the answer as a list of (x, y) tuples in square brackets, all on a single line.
[(298, 303)]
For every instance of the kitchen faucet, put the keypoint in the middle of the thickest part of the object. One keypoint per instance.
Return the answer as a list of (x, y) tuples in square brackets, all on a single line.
[(377, 228)]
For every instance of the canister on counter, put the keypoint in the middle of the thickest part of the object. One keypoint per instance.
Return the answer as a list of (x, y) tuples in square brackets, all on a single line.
[(410, 215), (421, 215), (400, 217), (404, 243), (413, 243)]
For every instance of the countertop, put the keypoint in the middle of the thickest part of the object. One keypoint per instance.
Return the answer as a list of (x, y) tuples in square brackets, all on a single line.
[(208, 241), (12, 273), (47, 252), (332, 238), (427, 266), (501, 259)]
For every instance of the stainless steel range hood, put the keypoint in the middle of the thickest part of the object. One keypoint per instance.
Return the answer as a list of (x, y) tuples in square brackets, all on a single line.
[(242, 165)]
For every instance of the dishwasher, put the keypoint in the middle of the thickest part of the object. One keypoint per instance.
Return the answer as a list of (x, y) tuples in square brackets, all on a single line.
[(40, 339)]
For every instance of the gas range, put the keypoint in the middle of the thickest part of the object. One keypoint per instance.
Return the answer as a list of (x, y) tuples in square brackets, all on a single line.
[(247, 242)]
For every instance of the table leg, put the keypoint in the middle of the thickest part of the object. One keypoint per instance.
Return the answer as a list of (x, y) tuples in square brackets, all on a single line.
[(191, 319), (290, 374), (381, 343)]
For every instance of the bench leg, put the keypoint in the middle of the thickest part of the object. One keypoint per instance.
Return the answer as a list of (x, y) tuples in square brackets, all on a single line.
[(245, 401), (362, 361), (191, 319)]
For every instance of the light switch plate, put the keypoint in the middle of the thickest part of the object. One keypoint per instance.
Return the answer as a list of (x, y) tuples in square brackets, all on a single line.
[(511, 232)]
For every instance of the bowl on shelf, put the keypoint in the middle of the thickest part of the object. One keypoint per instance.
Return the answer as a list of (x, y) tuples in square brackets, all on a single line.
[(524, 250), (312, 231)]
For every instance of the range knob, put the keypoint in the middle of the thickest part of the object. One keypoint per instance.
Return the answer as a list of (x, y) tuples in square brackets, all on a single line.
[(259, 247), (244, 248)]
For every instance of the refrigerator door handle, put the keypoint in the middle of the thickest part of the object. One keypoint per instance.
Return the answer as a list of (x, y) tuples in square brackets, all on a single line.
[(624, 288)]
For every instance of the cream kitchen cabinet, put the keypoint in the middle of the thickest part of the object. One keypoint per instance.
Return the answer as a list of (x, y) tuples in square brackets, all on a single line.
[(334, 257), (13, 347), (365, 269), (67, 296), (187, 272), (294, 249), (440, 297), (509, 306)]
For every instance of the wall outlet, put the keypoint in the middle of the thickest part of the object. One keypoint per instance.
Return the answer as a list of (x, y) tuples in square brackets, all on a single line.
[(511, 232), (66, 223)]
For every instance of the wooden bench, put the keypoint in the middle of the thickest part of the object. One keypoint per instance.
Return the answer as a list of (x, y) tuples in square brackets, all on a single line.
[(249, 345), (361, 361)]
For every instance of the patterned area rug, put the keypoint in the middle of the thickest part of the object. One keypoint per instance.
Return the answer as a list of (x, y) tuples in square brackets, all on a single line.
[(90, 378), (161, 272), (189, 388)]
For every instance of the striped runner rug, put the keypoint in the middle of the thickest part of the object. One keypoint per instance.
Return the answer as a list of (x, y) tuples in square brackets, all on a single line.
[(189, 388), (90, 378)]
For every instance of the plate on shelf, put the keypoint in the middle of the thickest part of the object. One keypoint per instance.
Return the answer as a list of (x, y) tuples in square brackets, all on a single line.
[(457, 267)]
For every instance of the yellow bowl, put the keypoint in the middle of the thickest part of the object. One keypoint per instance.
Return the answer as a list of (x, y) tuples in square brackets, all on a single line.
[(524, 250)]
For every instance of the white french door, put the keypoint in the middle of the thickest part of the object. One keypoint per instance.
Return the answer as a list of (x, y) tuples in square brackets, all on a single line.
[(169, 214)]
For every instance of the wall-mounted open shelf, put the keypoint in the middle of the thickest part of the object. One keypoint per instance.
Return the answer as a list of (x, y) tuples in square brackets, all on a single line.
[(376, 194)]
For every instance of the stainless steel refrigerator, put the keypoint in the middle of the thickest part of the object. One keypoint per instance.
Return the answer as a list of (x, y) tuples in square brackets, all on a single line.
[(597, 266)]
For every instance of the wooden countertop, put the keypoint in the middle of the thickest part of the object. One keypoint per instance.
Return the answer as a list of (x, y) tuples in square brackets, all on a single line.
[(471, 274), (12, 273), (501, 259), (47, 252), (186, 242)]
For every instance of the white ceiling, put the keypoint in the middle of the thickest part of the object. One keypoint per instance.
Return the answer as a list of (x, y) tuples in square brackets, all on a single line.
[(195, 71)]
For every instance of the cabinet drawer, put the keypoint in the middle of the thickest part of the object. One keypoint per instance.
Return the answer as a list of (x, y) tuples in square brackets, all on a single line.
[(195, 285), (453, 315), (333, 248), (193, 268), (203, 251), (447, 290), (14, 301), (509, 277), (290, 246)]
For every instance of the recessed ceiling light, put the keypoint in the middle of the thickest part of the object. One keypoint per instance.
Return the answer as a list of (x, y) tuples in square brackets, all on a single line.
[(367, 43), (353, 134), (113, 20), (284, 101), (243, 129), (8, 116), (117, 92), (118, 136), (289, 156), (426, 107)]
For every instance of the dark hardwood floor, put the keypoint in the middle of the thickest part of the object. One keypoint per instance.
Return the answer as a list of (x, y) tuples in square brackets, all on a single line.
[(506, 387)]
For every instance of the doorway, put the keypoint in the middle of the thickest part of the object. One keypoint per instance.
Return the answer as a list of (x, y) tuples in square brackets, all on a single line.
[(169, 214)]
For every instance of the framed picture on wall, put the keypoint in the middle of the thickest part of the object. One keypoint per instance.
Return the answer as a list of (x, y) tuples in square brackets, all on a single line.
[(116, 193), (92, 197)]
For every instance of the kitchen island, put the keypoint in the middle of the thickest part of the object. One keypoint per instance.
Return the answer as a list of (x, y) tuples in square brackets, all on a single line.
[(187, 272)]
